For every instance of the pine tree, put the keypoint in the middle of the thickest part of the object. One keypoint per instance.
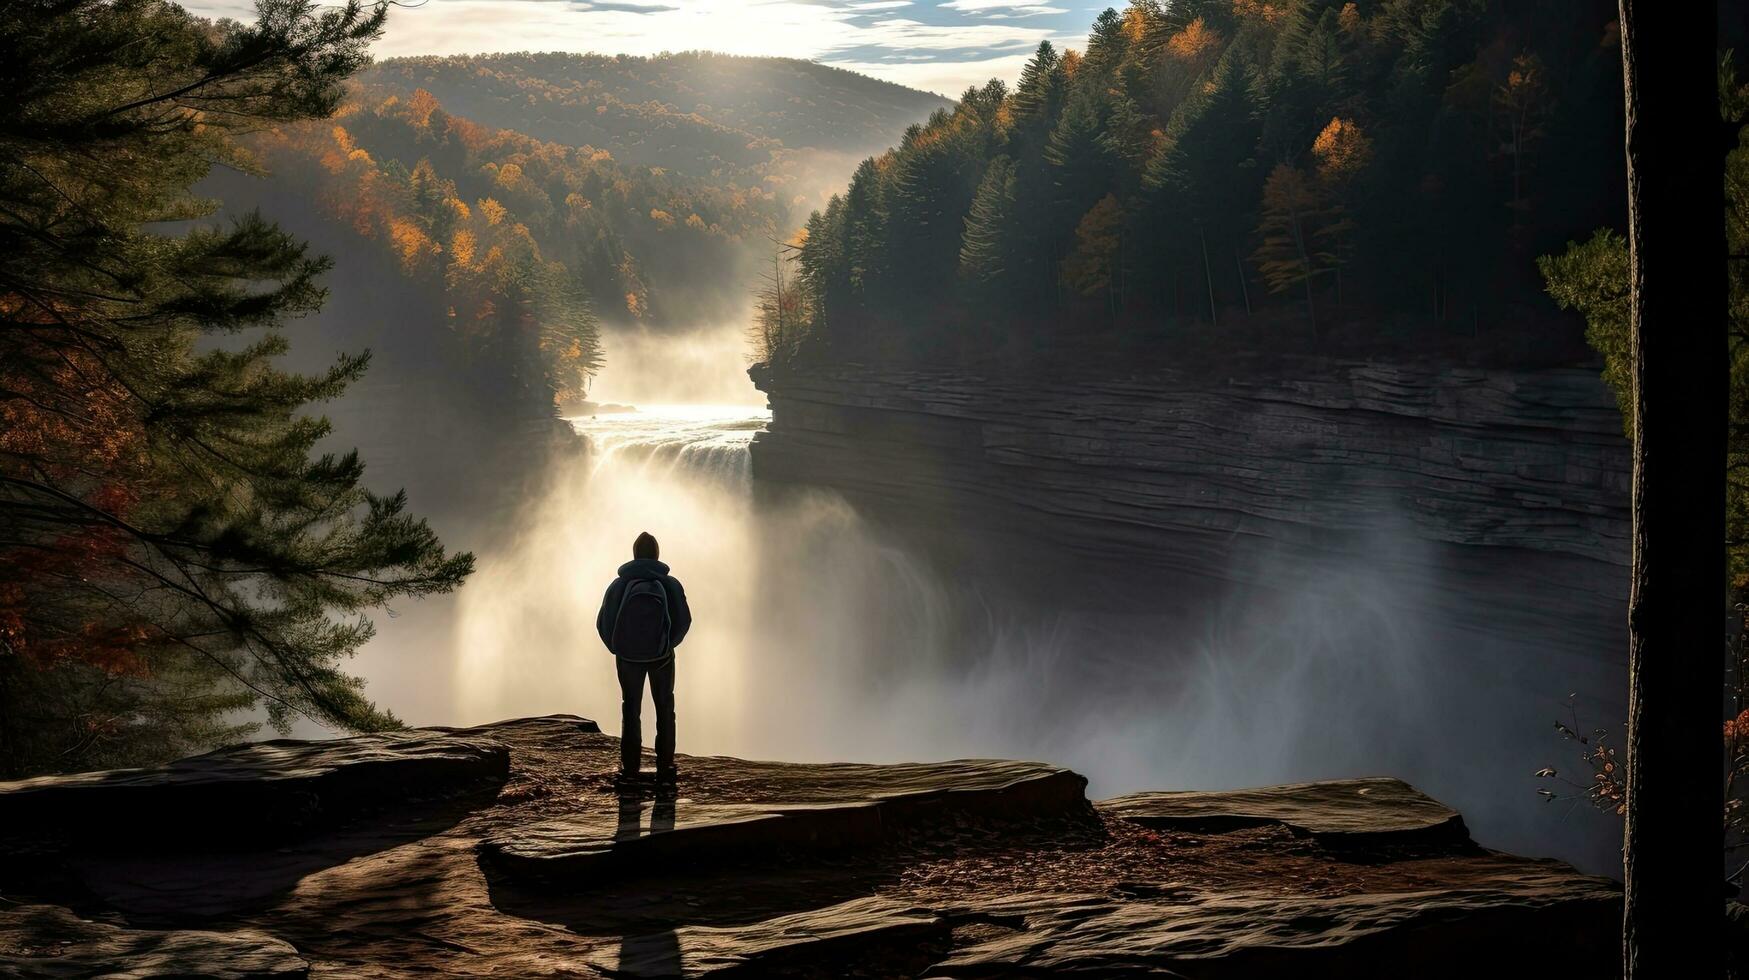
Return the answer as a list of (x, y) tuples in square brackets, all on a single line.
[(980, 114), (823, 270), (987, 252), (1205, 178), (1127, 138), (1107, 46), (1038, 98), (1081, 164), (1079, 168), (932, 185), (1325, 60), (865, 239), (171, 550)]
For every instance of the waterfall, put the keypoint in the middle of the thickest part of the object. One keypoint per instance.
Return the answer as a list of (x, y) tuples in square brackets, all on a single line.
[(675, 442)]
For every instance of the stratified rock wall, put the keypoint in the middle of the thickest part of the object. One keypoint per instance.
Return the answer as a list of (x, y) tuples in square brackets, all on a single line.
[(1501, 496)]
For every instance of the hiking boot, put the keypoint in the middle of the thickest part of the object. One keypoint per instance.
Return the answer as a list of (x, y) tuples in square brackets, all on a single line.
[(630, 779)]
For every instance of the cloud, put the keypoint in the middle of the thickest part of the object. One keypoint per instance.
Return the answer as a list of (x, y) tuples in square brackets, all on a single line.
[(903, 36), (938, 45), (949, 78), (624, 6), (1005, 8)]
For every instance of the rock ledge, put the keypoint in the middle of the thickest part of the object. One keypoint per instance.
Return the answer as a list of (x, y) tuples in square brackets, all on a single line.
[(947, 871)]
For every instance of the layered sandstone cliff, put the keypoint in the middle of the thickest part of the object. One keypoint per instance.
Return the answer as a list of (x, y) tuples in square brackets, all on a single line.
[(1501, 495)]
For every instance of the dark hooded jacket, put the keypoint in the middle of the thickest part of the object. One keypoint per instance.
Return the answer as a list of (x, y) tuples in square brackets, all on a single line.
[(679, 616)]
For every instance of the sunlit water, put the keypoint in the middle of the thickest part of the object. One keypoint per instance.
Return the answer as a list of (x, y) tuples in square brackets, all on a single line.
[(526, 639)]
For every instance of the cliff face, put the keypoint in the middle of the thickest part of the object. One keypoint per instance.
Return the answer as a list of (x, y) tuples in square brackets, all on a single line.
[(1498, 498)]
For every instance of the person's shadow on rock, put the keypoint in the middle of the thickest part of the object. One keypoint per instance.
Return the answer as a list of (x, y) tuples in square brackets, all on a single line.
[(630, 810), (655, 954)]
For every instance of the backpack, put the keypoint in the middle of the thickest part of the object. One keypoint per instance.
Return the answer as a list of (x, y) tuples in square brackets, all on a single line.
[(640, 629)]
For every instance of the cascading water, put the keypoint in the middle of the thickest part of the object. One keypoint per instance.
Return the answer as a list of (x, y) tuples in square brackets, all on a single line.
[(791, 604), (677, 442)]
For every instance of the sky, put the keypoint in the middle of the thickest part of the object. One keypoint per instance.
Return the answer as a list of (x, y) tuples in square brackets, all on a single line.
[(938, 45)]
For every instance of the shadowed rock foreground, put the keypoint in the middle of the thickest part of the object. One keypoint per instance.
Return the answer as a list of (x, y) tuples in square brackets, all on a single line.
[(503, 850)]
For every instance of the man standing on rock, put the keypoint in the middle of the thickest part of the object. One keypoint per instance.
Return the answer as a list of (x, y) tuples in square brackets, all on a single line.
[(643, 618)]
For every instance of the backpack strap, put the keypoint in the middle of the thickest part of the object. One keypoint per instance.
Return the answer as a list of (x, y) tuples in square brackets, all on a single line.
[(625, 590)]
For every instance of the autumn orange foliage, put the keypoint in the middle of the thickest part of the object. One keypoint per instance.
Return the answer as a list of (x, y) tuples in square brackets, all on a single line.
[(1195, 43)]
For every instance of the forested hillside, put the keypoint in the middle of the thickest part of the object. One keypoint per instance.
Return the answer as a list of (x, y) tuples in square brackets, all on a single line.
[(505, 222), (569, 189), (703, 114), (1289, 172)]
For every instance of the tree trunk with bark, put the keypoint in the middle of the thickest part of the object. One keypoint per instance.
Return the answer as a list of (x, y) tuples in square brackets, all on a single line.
[(1673, 834)]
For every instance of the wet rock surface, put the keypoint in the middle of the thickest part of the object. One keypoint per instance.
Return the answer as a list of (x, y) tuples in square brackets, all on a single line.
[(954, 870)]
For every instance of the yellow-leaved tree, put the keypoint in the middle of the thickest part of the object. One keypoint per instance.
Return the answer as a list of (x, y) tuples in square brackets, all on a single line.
[(1342, 152), (1092, 268), (1295, 247)]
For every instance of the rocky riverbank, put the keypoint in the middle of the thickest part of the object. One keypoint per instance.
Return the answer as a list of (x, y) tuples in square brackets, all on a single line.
[(504, 850)]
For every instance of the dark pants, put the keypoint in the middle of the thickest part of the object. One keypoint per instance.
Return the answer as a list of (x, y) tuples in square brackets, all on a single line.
[(631, 709)]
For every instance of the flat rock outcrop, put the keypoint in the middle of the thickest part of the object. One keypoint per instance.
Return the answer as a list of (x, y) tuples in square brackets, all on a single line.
[(957, 870), (1355, 812), (1206, 935), (847, 806), (264, 789), (1472, 488)]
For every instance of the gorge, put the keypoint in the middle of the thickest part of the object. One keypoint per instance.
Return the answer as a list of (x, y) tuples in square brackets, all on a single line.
[(1181, 581)]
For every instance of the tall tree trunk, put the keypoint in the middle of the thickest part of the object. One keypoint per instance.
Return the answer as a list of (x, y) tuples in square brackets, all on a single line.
[(1208, 276), (1338, 271), (1671, 850), (1244, 290), (1306, 270)]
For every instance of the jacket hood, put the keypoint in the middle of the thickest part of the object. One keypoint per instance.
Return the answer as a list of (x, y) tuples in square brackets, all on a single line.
[(643, 568)]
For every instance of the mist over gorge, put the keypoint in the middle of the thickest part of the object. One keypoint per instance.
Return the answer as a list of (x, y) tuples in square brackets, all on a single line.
[(909, 600)]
